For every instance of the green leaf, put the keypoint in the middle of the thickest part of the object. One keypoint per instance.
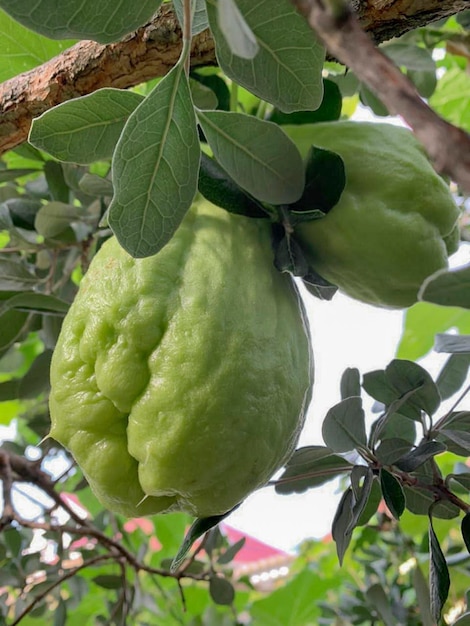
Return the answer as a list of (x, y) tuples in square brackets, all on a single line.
[(423, 321), (196, 530), (36, 380), (108, 581), (377, 597), (448, 288), (439, 580), (238, 35), (81, 19), (453, 375), (54, 218), (344, 426), (202, 96), (390, 450), (287, 69), (217, 85), (60, 613), (221, 590), (21, 50), (12, 325), (199, 21), (341, 528), (33, 301), (220, 189), (392, 493), (318, 286), (372, 504), (379, 387), (289, 257), (418, 501), (362, 479), (258, 155), (14, 276), (328, 111), (410, 56), (405, 376), (231, 552), (155, 167), (325, 180), (423, 596), (310, 467), (451, 97), (463, 620), (58, 188), (465, 529), (85, 129), (418, 456), (350, 384), (12, 174)]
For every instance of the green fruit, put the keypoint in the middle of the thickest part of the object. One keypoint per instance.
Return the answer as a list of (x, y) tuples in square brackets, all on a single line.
[(180, 381), (395, 223)]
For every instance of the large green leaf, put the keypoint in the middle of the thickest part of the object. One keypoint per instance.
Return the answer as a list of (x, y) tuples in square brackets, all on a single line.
[(258, 155), (448, 288), (85, 129), (21, 50), (452, 96), (104, 21), (155, 167), (287, 70)]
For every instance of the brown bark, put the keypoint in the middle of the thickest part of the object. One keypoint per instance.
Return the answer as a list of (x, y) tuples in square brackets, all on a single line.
[(153, 50)]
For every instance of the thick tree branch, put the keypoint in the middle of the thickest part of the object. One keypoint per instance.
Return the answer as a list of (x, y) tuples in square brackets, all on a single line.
[(340, 31), (153, 50)]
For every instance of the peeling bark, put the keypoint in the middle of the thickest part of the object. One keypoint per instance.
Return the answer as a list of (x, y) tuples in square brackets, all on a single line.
[(153, 50)]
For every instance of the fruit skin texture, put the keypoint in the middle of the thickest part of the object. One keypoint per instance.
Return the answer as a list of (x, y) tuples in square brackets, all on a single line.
[(395, 223), (183, 377)]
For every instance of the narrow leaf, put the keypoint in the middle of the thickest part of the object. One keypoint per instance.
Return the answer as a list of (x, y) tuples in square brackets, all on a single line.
[(453, 375), (392, 493), (439, 580), (82, 19), (341, 529), (423, 596), (350, 384), (287, 71), (258, 155), (344, 426), (465, 528), (381, 602), (155, 167), (231, 552), (85, 129)]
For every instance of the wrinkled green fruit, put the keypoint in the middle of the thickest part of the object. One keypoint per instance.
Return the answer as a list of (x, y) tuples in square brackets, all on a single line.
[(180, 381), (395, 223)]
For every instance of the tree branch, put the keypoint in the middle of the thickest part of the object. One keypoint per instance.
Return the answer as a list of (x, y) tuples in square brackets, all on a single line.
[(153, 50), (340, 31)]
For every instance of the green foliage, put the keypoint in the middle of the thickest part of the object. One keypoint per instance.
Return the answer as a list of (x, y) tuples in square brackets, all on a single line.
[(131, 162)]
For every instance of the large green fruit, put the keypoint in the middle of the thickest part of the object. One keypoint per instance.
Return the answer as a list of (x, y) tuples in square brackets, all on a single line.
[(395, 223), (180, 381)]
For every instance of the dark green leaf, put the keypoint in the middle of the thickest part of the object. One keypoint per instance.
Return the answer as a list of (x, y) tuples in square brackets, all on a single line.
[(288, 257), (203, 97), (12, 323), (36, 380), (60, 613), (14, 276), (22, 212), (55, 217), (325, 179), (448, 288), (12, 174), (379, 387), (58, 188), (220, 189), (108, 581), (217, 85), (257, 154), (9, 390), (418, 456), (423, 596), (418, 501), (84, 129), (329, 110), (196, 530), (34, 301), (392, 493), (221, 590), (439, 580), (81, 19), (410, 56), (368, 98), (459, 437), (231, 552), (155, 167), (362, 479), (405, 376), (390, 450), (463, 620), (318, 286), (453, 375), (13, 541), (425, 82), (465, 528), (350, 384), (311, 467), (282, 34), (372, 504), (344, 426), (341, 528)]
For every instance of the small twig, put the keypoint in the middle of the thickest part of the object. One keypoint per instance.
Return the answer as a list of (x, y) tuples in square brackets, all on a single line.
[(8, 514), (338, 28)]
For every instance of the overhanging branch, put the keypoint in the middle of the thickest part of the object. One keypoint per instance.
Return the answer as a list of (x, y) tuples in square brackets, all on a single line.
[(153, 49)]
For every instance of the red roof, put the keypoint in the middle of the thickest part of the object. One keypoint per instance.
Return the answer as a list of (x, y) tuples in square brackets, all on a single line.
[(253, 550)]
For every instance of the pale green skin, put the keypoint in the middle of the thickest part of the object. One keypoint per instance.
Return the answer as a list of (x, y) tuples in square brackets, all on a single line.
[(395, 223), (181, 381)]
